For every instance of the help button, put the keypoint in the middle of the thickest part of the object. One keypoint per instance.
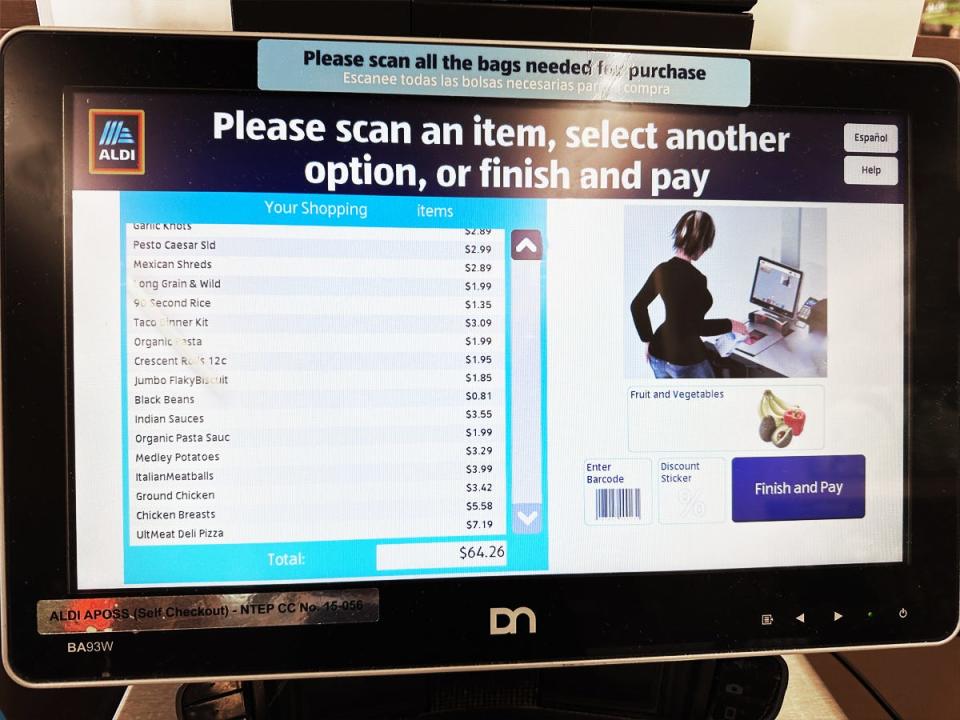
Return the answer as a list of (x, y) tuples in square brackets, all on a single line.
[(870, 170)]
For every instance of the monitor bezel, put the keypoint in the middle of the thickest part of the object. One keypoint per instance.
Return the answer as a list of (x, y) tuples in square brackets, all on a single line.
[(442, 624), (770, 306)]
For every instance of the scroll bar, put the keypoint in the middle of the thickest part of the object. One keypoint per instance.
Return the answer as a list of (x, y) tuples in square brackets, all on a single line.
[(526, 252)]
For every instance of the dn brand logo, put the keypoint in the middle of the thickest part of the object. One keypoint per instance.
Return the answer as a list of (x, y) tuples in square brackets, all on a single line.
[(503, 621)]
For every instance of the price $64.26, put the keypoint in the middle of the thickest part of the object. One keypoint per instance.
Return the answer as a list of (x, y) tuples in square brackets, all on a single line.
[(491, 551)]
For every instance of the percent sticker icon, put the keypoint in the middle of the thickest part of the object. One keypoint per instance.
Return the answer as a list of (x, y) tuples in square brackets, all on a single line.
[(691, 503)]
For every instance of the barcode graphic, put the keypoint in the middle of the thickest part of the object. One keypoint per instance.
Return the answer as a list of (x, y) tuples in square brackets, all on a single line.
[(618, 503)]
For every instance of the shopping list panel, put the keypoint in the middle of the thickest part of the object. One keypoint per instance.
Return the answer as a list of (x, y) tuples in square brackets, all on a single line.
[(371, 358)]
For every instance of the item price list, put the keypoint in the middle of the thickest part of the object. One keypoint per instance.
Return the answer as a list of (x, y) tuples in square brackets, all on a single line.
[(300, 383)]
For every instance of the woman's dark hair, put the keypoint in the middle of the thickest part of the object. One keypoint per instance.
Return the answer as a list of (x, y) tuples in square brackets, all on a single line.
[(693, 234)]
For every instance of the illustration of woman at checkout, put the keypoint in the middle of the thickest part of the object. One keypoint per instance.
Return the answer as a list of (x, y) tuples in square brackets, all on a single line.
[(675, 350)]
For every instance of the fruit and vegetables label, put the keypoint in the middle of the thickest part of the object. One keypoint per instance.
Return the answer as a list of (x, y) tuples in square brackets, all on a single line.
[(765, 419)]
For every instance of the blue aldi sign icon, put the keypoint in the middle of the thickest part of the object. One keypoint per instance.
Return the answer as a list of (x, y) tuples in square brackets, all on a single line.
[(117, 142)]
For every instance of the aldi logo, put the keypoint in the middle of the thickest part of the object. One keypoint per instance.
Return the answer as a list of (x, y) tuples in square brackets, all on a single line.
[(116, 142)]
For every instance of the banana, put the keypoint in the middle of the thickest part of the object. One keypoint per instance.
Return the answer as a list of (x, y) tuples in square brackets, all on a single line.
[(772, 399), (780, 406), (767, 406), (762, 410)]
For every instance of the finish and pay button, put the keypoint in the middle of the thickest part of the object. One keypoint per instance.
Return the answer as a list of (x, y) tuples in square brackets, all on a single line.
[(818, 487)]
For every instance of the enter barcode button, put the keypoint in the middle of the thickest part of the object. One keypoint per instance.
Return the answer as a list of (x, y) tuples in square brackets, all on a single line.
[(618, 503), (617, 491), (870, 170)]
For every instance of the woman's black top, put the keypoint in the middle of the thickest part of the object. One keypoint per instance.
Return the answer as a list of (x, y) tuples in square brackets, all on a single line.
[(686, 298)]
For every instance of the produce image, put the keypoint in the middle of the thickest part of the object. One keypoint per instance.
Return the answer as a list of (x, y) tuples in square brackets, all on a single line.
[(779, 421)]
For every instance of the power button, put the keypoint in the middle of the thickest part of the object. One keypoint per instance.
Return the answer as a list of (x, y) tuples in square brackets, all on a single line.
[(903, 613)]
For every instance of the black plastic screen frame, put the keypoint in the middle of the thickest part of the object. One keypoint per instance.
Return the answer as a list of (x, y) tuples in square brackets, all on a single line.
[(444, 623)]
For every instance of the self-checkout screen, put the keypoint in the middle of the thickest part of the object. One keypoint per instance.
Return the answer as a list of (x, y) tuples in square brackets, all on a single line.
[(392, 331), (776, 286)]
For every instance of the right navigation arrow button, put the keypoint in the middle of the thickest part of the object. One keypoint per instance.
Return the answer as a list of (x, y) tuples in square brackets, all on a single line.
[(836, 616)]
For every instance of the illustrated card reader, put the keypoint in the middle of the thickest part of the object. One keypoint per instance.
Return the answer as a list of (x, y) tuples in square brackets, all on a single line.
[(759, 337)]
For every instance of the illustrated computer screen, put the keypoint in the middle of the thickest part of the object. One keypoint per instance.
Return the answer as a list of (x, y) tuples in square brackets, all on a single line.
[(776, 287)]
